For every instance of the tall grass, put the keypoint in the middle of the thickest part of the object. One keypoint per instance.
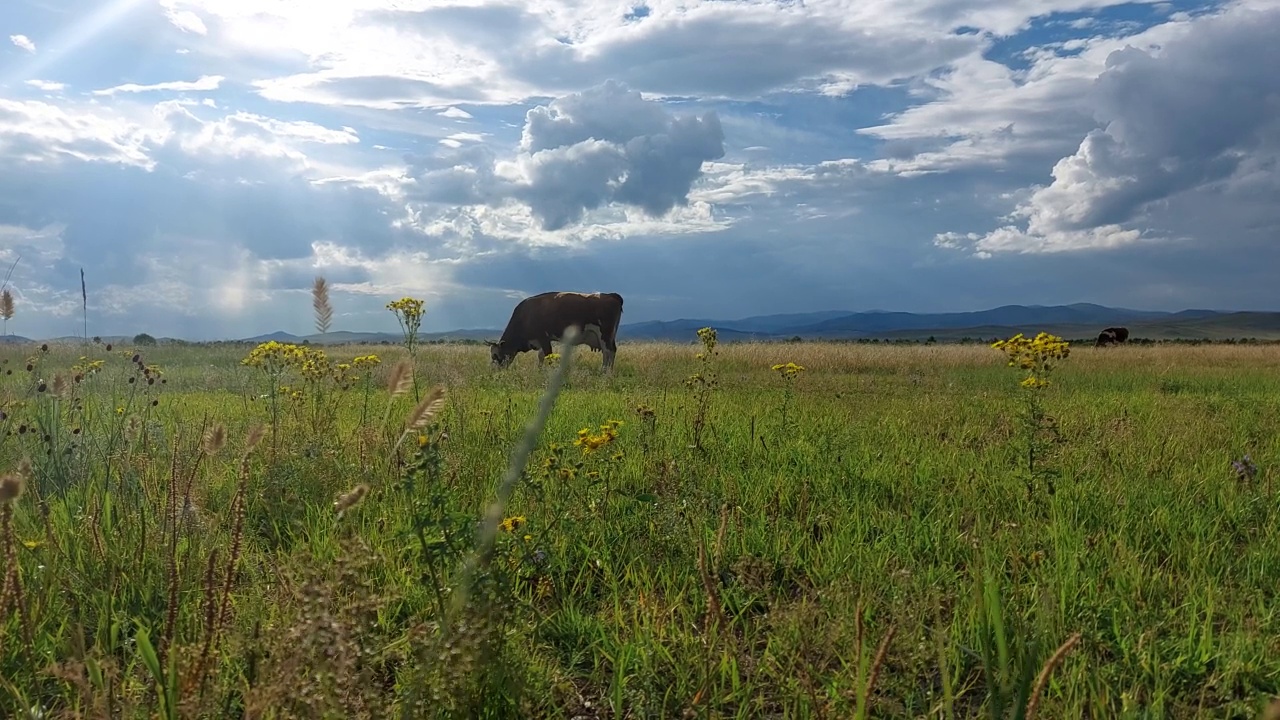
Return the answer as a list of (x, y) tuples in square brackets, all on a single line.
[(878, 554)]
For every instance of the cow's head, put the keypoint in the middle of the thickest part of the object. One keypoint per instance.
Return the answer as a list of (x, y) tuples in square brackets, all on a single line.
[(500, 355)]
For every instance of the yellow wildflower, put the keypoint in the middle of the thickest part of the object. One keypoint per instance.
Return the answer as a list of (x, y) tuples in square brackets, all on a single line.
[(410, 308), (590, 441), (1034, 355), (789, 370), (512, 523)]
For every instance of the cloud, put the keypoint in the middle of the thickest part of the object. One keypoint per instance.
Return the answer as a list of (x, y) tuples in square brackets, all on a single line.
[(1201, 114), (206, 82), (23, 42), (38, 131), (581, 152), (46, 85), (849, 154), (502, 52), (184, 20)]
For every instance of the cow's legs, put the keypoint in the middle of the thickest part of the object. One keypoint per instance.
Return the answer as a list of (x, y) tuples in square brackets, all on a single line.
[(610, 349), (544, 349)]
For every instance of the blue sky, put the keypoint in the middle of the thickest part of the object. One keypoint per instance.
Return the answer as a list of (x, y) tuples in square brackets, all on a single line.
[(203, 160)]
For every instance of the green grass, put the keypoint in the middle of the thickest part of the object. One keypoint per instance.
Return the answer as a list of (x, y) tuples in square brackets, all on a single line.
[(754, 577)]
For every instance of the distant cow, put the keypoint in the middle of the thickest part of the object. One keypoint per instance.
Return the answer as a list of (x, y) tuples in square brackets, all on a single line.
[(1112, 335), (539, 320)]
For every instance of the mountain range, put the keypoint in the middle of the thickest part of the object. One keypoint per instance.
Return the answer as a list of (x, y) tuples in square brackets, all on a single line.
[(1078, 321)]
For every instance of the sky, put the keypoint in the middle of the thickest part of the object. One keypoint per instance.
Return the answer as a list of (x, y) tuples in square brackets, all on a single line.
[(204, 160)]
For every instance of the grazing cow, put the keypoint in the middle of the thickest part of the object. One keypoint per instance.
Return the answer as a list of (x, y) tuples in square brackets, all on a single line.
[(1112, 335), (541, 319)]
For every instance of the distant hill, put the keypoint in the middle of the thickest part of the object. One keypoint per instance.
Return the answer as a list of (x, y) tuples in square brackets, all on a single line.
[(1079, 321)]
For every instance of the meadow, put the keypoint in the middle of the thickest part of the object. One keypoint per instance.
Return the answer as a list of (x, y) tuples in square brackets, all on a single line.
[(873, 531)]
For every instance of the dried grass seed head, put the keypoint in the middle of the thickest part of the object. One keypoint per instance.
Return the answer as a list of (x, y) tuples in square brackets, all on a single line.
[(11, 486)]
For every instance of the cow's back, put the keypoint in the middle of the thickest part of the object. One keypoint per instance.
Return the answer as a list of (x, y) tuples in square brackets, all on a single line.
[(548, 314)]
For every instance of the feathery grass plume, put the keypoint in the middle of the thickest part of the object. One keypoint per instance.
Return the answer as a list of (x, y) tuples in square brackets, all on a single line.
[(1033, 704), (6, 308), (215, 438), (423, 413), (426, 410), (399, 382), (320, 302), (24, 468), (11, 487), (59, 385), (254, 437), (348, 500)]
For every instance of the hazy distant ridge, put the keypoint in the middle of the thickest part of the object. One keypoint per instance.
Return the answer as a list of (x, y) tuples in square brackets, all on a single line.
[(1081, 320)]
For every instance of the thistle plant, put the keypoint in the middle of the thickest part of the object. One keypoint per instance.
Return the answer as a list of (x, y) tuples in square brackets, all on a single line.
[(703, 382), (1036, 358)]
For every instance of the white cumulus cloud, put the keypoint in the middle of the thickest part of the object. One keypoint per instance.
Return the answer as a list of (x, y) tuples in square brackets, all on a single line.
[(205, 82), (1200, 114), (23, 42)]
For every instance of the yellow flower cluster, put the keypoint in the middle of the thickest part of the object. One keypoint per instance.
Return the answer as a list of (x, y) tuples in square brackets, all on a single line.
[(708, 337), (553, 465), (86, 366), (551, 359), (312, 364), (590, 441), (1034, 355), (410, 308), (273, 355), (789, 370), (512, 523)]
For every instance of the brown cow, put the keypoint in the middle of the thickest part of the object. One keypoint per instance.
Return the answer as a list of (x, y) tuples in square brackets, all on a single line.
[(539, 320), (1112, 335)]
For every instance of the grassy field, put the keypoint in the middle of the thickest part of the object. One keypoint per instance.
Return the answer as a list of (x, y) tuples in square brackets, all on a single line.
[(865, 539)]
